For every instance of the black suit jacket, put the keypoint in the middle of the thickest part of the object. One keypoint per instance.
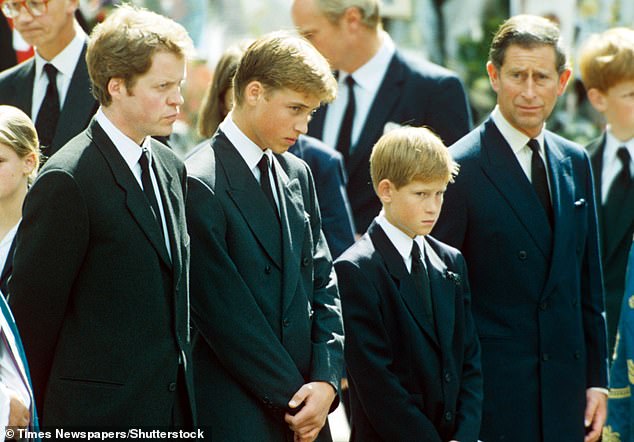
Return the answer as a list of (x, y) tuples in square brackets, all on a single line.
[(408, 381), (537, 292), (264, 299), (327, 167), (102, 310), (16, 89), (7, 269), (616, 239), (412, 93)]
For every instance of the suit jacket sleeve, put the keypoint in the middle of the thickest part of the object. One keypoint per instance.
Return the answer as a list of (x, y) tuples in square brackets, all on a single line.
[(54, 230), (327, 331), (244, 343), (368, 359), (469, 409), (592, 295)]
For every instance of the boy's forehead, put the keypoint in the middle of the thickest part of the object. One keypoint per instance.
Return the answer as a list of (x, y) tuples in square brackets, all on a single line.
[(428, 182), (300, 98)]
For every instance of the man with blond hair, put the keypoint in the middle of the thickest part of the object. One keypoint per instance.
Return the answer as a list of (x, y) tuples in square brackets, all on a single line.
[(264, 297), (105, 322), (379, 88)]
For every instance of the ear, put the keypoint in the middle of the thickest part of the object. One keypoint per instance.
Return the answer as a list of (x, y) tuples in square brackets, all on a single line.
[(29, 162), (72, 6), (494, 76), (116, 88), (253, 92), (597, 99), (352, 18), (563, 81), (384, 191)]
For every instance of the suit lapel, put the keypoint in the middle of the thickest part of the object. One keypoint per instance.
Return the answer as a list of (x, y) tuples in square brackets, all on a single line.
[(387, 95), (292, 225), (23, 87), (245, 192), (406, 289), (79, 104), (8, 268), (561, 185), (135, 199), (443, 298), (500, 165)]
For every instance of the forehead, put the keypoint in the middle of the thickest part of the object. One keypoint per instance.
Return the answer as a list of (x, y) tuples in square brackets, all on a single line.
[(306, 15), (541, 56), (290, 96), (420, 185)]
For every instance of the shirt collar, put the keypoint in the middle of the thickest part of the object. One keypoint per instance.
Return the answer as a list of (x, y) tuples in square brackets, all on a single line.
[(516, 139), (248, 150), (129, 150), (401, 241), (370, 75), (612, 144), (66, 61)]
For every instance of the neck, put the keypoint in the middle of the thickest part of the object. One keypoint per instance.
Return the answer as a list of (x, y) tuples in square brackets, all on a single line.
[(366, 46)]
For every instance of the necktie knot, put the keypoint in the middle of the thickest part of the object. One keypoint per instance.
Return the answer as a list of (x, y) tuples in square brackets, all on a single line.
[(350, 82), (533, 145), (416, 257), (263, 165), (144, 160), (624, 155), (51, 72)]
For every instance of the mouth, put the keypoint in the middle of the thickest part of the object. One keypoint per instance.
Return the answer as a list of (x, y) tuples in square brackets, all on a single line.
[(290, 141)]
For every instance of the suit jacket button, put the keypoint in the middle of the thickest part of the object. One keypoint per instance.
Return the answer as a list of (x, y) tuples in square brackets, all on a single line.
[(286, 322), (577, 354), (545, 357), (267, 269), (522, 255), (543, 306), (172, 386), (305, 262), (447, 377), (448, 416)]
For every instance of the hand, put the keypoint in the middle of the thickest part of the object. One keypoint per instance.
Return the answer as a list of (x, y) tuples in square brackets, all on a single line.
[(596, 411), (308, 422), (344, 384), (19, 415)]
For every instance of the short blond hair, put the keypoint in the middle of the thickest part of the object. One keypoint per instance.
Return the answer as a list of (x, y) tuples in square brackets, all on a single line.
[(18, 132), (607, 59), (281, 60), (411, 154), (124, 44)]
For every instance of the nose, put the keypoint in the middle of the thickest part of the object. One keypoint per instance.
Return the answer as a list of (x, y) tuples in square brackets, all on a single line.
[(529, 88), (301, 125), (176, 98)]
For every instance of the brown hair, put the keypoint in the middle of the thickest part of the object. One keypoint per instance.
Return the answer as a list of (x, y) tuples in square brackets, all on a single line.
[(527, 31), (411, 153), (607, 59), (282, 60), (212, 110), (124, 44)]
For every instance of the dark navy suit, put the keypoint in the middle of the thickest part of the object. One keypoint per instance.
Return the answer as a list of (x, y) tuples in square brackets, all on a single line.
[(537, 292), (412, 93)]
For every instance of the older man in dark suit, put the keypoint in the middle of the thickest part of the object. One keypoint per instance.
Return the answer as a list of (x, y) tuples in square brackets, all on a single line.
[(268, 356), (105, 317), (522, 212), (379, 88), (53, 87)]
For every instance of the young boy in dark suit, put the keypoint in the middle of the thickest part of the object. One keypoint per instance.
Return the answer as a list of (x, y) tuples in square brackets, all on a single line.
[(264, 298), (412, 352)]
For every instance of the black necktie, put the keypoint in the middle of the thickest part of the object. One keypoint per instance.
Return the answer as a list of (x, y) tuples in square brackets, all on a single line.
[(47, 117), (148, 188), (265, 182), (619, 187), (540, 179), (421, 281), (345, 131)]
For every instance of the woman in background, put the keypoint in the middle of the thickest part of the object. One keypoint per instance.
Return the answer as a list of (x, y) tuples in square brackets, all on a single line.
[(19, 160)]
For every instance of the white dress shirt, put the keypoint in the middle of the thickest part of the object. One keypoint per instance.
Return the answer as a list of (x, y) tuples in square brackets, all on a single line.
[(250, 152), (12, 377), (517, 140), (401, 241), (65, 62), (5, 245), (131, 152), (611, 163), (368, 79)]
